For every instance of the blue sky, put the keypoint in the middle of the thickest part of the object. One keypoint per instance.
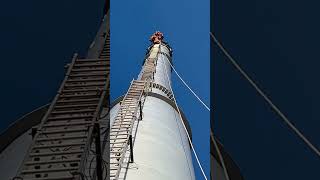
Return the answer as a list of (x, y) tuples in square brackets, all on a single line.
[(185, 25)]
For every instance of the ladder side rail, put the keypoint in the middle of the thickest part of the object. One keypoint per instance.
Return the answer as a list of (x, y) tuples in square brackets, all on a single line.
[(107, 16), (155, 61), (123, 114), (90, 136), (105, 135), (121, 105), (45, 117), (144, 67), (126, 111), (124, 150), (125, 96), (138, 112), (105, 43), (140, 97), (134, 119)]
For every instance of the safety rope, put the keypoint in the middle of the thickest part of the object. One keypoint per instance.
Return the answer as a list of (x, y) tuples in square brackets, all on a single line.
[(214, 141), (274, 107), (189, 139), (188, 86)]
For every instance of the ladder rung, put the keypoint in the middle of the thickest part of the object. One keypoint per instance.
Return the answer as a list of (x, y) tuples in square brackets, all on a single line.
[(125, 104), (124, 119), (55, 153), (136, 89), (121, 123), (78, 100), (133, 94), (120, 142), (87, 74), (67, 124), (73, 111), (70, 117), (49, 170), (129, 95), (113, 131), (121, 126), (118, 134), (127, 109), (125, 116), (60, 138), (113, 139), (119, 129), (85, 84), (78, 95), (58, 145), (53, 161), (137, 81), (63, 130), (77, 64), (74, 106), (53, 178), (129, 102), (131, 105), (89, 60), (79, 90), (130, 99), (104, 69), (87, 80)]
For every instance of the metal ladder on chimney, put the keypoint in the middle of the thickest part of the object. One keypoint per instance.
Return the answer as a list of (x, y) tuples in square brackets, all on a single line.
[(63, 140), (124, 125), (149, 69), (105, 53)]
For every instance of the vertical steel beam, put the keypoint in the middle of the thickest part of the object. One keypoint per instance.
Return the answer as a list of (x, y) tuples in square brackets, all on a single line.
[(140, 110), (131, 149), (98, 151)]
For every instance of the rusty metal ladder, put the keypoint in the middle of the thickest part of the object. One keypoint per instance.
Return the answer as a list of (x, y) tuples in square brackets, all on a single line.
[(63, 139), (124, 125)]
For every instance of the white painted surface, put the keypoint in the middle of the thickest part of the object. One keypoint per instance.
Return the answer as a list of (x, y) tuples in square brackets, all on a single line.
[(161, 149), (160, 76)]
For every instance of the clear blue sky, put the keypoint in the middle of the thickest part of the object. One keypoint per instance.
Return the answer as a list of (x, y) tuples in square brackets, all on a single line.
[(185, 25)]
